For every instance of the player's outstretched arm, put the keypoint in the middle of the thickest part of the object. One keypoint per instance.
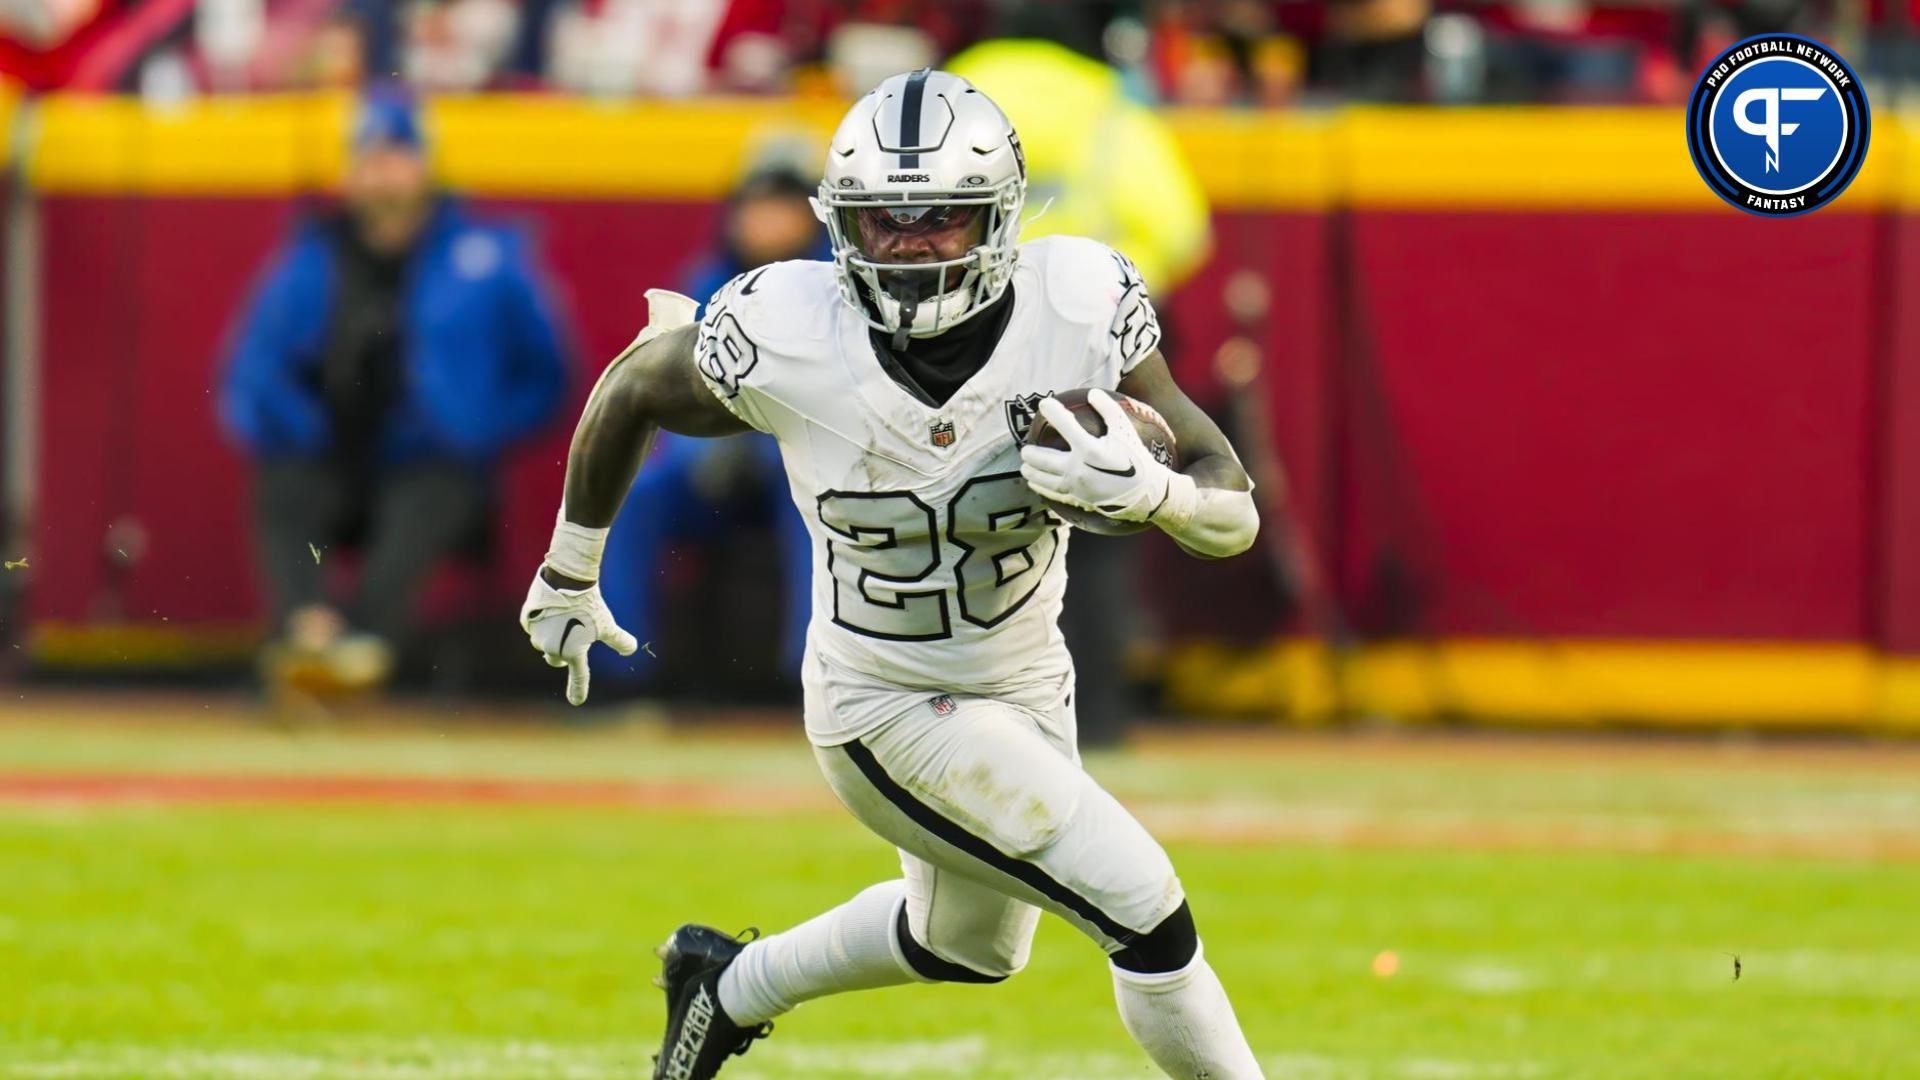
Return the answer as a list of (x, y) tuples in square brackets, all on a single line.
[(1208, 506), (654, 385)]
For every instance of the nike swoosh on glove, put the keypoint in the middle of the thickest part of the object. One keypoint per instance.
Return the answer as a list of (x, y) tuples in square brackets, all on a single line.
[(1112, 474), (564, 623)]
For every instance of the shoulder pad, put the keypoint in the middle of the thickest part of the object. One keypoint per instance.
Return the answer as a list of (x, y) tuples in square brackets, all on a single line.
[(766, 330), (1085, 279), (781, 302)]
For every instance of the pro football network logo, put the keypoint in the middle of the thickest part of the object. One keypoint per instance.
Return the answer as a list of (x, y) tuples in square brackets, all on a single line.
[(1778, 125)]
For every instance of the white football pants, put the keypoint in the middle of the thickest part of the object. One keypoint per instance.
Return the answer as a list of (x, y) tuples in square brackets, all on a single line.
[(996, 820)]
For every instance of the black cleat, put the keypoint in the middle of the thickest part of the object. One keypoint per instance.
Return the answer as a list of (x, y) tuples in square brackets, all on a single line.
[(700, 1035)]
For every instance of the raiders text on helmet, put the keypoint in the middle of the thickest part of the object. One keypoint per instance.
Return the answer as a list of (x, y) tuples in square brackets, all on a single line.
[(922, 154)]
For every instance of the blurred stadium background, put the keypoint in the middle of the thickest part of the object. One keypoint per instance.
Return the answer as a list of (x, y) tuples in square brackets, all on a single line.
[(1580, 654)]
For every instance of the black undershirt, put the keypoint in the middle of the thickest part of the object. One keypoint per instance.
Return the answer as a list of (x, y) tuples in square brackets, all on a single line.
[(934, 369), (361, 367)]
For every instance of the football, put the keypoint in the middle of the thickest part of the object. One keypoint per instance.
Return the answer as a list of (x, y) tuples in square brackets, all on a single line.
[(1152, 429)]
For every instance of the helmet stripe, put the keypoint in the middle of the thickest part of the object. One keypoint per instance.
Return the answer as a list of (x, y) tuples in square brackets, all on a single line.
[(910, 104)]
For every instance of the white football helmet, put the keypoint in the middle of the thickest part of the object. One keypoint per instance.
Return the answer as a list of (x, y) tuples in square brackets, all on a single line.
[(916, 162)]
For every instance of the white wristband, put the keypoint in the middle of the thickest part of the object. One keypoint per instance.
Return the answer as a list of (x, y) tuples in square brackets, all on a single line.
[(1212, 522), (1176, 510), (575, 549)]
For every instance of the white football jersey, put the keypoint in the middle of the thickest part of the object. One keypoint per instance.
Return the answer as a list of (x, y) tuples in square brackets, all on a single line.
[(934, 567)]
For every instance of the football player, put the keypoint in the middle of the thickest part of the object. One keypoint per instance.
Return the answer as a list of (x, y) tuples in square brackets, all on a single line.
[(900, 379)]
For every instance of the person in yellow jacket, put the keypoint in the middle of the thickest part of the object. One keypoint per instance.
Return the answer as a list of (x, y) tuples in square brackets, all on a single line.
[(1104, 166), (1109, 164)]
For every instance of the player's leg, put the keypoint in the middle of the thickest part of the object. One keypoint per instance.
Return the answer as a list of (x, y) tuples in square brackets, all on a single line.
[(991, 793), (851, 947), (955, 928), (721, 992), (931, 926)]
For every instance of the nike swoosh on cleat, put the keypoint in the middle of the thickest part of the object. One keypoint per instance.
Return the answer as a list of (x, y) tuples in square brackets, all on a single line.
[(572, 624), (1113, 472)]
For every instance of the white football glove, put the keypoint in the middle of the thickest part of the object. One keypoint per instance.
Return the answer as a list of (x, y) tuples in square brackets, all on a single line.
[(1112, 474), (564, 623)]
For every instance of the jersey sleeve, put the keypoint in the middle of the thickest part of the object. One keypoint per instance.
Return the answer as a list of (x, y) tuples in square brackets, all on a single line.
[(1136, 328), (728, 358)]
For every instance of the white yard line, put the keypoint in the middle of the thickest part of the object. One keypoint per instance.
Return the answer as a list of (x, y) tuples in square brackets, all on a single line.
[(1490, 978)]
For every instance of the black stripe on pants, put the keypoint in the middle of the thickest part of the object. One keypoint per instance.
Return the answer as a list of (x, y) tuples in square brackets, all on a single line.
[(1027, 873)]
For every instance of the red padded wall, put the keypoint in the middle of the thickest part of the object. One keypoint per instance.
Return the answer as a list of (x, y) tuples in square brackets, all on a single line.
[(140, 294), (1612, 424)]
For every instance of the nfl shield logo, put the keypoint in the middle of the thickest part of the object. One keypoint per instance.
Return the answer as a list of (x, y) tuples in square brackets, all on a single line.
[(942, 705), (942, 433), (1020, 414)]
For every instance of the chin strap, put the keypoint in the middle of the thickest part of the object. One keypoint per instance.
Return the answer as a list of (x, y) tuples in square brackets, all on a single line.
[(909, 308)]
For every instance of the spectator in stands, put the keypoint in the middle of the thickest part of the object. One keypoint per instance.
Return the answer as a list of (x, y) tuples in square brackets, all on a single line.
[(1374, 50), (699, 489), (392, 352), (380, 36)]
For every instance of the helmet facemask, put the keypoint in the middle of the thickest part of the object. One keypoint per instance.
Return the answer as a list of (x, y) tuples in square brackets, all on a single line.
[(918, 263)]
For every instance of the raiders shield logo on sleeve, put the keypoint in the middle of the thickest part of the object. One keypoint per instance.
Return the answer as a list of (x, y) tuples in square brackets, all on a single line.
[(1020, 414)]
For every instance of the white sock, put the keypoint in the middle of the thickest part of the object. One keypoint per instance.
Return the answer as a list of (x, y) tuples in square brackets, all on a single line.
[(1182, 1019), (849, 948)]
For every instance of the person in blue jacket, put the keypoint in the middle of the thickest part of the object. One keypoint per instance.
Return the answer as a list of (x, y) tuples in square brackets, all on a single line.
[(392, 352), (694, 489)]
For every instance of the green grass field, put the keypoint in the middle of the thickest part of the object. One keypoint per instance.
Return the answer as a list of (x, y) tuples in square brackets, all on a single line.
[(1558, 908)]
